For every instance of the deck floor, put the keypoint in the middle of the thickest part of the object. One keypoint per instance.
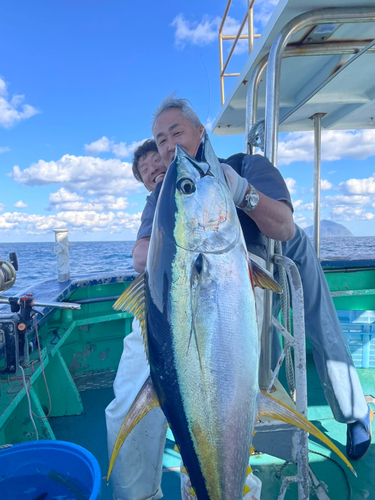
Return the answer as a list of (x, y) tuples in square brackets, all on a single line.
[(89, 431)]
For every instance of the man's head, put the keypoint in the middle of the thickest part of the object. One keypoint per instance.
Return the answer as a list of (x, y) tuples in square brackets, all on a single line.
[(147, 165), (175, 122)]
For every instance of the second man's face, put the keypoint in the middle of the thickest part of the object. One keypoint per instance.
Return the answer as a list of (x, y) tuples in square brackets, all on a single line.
[(172, 128), (151, 169)]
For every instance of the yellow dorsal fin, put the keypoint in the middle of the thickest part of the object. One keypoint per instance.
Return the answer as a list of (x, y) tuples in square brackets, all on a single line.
[(144, 402), (272, 407), (132, 300), (263, 279)]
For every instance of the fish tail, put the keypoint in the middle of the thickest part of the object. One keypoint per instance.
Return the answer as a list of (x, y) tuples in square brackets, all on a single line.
[(272, 407)]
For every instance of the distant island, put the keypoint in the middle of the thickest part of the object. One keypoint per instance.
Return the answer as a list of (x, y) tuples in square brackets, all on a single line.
[(329, 229)]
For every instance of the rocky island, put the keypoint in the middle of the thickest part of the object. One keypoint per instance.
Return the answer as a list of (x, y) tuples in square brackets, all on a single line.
[(329, 229)]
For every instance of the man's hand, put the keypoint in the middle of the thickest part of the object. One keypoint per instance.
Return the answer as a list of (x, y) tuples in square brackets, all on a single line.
[(237, 184)]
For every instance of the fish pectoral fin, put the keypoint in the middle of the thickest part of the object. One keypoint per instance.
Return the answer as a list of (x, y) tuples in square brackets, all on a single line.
[(269, 406), (263, 279), (133, 301), (143, 403)]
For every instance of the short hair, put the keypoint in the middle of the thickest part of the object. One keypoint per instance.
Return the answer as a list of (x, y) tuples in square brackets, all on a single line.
[(142, 150), (184, 105)]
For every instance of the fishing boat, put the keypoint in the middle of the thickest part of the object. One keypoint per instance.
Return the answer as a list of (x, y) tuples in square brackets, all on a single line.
[(310, 69)]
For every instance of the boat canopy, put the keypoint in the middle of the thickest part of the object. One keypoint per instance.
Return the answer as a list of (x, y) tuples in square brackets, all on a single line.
[(326, 68)]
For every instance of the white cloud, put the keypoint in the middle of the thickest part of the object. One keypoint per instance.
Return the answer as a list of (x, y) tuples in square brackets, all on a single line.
[(336, 145), (347, 200), (83, 221), (121, 150), (4, 149), (208, 124), (207, 31), (64, 200), (91, 176), (350, 207), (20, 204), (299, 219), (359, 186), (299, 206), (196, 33), (348, 213), (100, 146), (325, 185), (12, 110), (104, 145), (2, 207), (263, 11), (290, 185), (63, 196)]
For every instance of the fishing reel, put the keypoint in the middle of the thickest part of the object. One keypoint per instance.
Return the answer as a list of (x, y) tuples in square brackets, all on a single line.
[(17, 333), (8, 272)]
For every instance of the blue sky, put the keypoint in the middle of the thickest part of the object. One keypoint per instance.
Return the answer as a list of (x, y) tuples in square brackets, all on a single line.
[(79, 81)]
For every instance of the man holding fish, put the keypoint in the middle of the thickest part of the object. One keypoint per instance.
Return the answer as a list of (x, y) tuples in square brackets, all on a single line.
[(266, 212)]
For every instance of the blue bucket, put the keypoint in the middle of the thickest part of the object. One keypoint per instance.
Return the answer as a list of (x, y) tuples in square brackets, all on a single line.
[(45, 470)]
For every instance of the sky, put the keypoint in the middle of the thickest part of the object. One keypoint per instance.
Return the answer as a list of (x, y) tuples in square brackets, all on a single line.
[(79, 81)]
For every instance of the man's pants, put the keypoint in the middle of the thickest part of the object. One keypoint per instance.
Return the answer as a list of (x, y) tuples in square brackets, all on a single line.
[(137, 470), (333, 361)]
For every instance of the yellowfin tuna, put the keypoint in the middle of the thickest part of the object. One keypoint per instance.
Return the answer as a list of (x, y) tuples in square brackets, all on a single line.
[(198, 318)]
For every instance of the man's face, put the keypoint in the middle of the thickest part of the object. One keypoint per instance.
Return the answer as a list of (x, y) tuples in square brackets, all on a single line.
[(172, 128), (151, 169)]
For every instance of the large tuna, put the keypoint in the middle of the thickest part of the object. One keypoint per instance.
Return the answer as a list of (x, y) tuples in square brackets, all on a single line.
[(195, 303)]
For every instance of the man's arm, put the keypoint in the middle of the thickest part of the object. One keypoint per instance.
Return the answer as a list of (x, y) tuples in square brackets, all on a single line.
[(139, 253), (274, 218)]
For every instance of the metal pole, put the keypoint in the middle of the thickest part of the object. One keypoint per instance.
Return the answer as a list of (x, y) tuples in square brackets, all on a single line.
[(317, 157), (252, 100)]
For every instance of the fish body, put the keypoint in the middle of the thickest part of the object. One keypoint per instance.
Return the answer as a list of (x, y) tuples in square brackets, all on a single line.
[(201, 324)]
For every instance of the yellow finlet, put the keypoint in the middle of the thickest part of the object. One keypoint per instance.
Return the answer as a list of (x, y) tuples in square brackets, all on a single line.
[(246, 489), (249, 470), (183, 470), (192, 492), (176, 448), (143, 403)]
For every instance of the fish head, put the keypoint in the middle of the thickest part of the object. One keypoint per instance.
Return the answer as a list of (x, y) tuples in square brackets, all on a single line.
[(197, 200)]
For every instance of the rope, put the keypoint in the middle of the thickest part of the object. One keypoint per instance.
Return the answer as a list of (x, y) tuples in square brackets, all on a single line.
[(256, 134), (285, 311)]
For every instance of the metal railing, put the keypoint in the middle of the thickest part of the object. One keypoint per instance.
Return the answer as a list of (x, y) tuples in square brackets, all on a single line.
[(239, 36)]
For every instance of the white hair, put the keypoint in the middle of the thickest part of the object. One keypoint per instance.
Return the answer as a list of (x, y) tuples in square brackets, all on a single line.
[(171, 102)]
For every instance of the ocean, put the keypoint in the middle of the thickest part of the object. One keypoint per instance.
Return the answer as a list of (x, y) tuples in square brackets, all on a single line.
[(36, 261)]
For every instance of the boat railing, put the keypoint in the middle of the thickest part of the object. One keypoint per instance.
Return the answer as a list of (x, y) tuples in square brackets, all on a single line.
[(238, 36)]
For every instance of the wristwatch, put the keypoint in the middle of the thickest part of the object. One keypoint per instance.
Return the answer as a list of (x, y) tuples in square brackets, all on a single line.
[(251, 200)]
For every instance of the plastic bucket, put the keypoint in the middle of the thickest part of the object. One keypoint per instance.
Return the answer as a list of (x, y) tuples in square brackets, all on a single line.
[(46, 470)]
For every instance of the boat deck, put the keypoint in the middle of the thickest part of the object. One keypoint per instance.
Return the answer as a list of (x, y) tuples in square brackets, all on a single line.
[(340, 482)]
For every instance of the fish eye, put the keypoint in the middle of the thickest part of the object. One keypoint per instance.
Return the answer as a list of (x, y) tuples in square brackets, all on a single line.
[(186, 186)]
